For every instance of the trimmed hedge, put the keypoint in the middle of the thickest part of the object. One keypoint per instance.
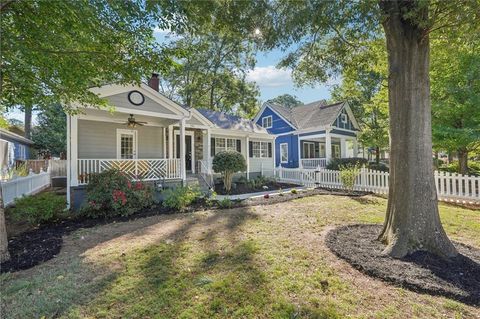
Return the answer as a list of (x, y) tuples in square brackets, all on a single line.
[(335, 163)]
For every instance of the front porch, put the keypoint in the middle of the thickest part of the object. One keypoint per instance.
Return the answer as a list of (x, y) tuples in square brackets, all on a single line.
[(317, 150)]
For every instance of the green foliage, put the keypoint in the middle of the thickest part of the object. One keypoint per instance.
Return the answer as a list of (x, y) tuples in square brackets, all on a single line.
[(50, 133), (378, 167), (335, 163), (227, 163), (286, 100), (56, 50), (225, 203), (294, 191), (473, 168), (21, 170), (40, 208), (112, 193), (348, 174), (211, 72), (181, 197)]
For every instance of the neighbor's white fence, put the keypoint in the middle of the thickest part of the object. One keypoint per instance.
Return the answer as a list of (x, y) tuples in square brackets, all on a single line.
[(20, 186), (450, 186), (57, 167)]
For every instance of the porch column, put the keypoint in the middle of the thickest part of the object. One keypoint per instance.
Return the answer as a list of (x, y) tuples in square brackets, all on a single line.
[(74, 150), (171, 140), (328, 146), (208, 158), (343, 148), (299, 153), (247, 144), (183, 171), (355, 147), (164, 133)]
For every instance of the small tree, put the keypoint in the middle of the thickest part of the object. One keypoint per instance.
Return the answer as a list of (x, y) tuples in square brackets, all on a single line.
[(348, 174), (227, 163)]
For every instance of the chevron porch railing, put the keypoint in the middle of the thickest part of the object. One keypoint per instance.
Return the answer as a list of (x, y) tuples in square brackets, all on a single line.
[(136, 169)]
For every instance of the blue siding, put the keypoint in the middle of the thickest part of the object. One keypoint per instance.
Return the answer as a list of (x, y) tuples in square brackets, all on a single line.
[(292, 141), (312, 133), (278, 124), (346, 126), (340, 132), (17, 145)]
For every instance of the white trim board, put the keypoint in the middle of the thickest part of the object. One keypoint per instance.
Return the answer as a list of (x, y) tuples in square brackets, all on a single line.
[(134, 133)]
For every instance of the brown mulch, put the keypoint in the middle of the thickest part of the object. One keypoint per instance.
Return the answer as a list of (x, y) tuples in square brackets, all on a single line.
[(241, 188), (457, 278)]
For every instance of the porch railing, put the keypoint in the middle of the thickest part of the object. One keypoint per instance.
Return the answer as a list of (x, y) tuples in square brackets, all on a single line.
[(137, 169), (205, 172), (314, 162)]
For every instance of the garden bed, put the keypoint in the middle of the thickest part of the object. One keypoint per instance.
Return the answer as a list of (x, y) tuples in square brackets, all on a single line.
[(457, 278), (244, 188)]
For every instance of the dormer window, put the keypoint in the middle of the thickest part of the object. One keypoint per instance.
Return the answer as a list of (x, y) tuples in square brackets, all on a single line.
[(267, 121), (343, 118)]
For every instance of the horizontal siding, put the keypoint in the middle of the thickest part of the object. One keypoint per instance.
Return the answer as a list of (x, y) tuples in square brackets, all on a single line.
[(278, 124), (121, 100), (256, 164), (292, 141), (99, 140)]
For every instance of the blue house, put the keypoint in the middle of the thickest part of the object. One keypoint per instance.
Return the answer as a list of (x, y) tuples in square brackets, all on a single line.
[(310, 135), (13, 147)]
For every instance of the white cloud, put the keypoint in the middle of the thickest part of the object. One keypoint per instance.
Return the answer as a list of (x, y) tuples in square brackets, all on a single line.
[(270, 76)]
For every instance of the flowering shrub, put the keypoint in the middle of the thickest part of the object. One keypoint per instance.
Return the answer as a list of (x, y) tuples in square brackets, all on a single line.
[(181, 197), (112, 193)]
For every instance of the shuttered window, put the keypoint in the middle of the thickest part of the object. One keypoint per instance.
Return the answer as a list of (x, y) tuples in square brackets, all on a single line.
[(260, 149), (221, 144)]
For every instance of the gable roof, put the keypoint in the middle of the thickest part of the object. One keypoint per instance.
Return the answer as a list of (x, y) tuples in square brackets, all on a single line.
[(231, 122), (311, 115)]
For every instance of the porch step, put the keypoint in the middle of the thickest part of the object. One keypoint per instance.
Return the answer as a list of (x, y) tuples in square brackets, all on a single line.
[(194, 179)]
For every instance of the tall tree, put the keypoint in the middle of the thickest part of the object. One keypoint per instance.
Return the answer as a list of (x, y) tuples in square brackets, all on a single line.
[(50, 133), (455, 73), (286, 100), (364, 86), (211, 72), (327, 34)]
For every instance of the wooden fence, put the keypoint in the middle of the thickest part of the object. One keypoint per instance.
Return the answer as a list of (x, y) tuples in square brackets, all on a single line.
[(450, 186)]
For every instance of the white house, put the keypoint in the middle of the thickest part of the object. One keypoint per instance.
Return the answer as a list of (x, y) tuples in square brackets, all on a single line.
[(152, 138)]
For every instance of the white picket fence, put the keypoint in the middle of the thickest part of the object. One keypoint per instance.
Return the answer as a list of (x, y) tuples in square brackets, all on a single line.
[(450, 186), (22, 186)]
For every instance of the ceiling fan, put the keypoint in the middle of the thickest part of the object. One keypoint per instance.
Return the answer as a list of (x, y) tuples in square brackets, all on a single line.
[(132, 123)]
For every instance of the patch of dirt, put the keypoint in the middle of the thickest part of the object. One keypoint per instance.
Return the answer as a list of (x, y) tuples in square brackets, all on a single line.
[(242, 188), (457, 278)]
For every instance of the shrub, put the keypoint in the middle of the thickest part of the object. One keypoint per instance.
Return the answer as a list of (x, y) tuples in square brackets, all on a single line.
[(335, 163), (294, 191), (228, 163), (112, 193), (348, 174), (181, 197), (378, 167), (225, 203), (39, 208), (473, 168)]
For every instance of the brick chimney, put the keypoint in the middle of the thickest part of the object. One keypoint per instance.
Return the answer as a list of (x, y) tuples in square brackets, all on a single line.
[(154, 82)]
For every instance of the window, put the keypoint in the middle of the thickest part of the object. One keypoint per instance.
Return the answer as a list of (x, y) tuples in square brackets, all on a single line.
[(126, 144), (308, 150), (322, 150), (221, 144), (284, 152), (260, 149), (267, 121), (22, 152), (344, 118), (336, 151)]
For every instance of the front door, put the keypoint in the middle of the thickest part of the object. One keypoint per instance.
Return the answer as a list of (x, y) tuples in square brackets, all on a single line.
[(126, 144), (188, 151)]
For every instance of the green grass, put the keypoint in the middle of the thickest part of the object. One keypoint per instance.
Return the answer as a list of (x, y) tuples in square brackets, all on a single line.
[(260, 262)]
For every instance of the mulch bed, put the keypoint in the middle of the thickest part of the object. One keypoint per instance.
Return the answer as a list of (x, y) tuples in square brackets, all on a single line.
[(43, 243), (457, 278), (242, 188)]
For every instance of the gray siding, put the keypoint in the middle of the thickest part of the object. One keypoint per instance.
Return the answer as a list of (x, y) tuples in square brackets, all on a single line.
[(99, 140), (121, 100)]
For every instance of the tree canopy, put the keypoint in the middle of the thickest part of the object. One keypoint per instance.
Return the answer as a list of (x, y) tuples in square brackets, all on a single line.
[(50, 133), (286, 100)]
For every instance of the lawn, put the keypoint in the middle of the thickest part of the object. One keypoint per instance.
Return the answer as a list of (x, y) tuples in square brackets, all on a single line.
[(257, 262)]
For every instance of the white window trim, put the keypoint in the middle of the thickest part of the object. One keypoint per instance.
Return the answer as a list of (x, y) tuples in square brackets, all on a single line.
[(343, 118), (304, 153), (281, 155), (135, 142), (261, 149), (226, 144), (265, 119)]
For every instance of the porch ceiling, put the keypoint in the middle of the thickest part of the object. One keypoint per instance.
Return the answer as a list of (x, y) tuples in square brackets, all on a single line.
[(121, 117)]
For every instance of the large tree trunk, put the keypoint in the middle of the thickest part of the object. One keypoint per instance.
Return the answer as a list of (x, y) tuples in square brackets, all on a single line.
[(4, 255), (28, 121), (377, 155), (462, 154), (412, 221)]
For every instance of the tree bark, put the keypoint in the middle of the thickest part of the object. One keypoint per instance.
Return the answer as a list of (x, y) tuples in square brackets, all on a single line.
[(462, 154), (412, 220), (4, 254), (377, 155), (28, 121)]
